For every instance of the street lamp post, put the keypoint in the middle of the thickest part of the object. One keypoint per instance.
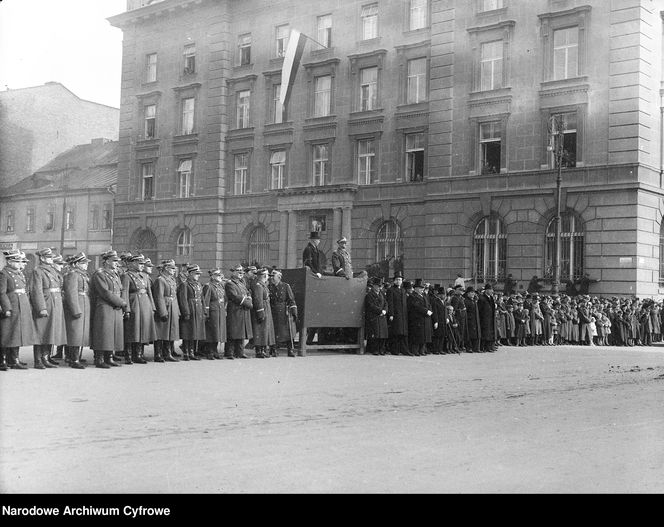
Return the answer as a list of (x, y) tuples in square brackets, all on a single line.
[(557, 137)]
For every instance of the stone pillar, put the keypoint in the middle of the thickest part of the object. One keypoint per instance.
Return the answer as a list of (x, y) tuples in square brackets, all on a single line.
[(291, 257), (336, 225), (283, 239), (346, 225)]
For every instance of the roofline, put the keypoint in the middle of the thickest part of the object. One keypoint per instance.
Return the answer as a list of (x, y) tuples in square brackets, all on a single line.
[(122, 19), (52, 83)]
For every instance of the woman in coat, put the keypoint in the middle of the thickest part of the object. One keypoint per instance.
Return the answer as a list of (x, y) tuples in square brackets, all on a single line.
[(375, 318), (16, 324), (262, 323), (192, 314), (76, 299), (167, 312), (214, 303)]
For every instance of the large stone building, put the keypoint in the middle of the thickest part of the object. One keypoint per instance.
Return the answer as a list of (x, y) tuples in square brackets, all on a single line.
[(66, 204), (421, 130), (40, 122)]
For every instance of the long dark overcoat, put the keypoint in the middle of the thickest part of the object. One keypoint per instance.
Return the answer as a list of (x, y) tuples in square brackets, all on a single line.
[(18, 329), (311, 257), (375, 323), (76, 299), (46, 293), (486, 307), (164, 295), (417, 320), (261, 315), (472, 319), (139, 326), (107, 305), (282, 301), (397, 308), (438, 317), (238, 311), (214, 303), (192, 315)]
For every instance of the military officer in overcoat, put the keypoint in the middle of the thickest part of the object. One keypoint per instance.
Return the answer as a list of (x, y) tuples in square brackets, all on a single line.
[(262, 325), (284, 314), (238, 316), (192, 315), (341, 262), (108, 305), (375, 318), (46, 299), (214, 304), (419, 331), (167, 314), (139, 322), (16, 324), (397, 316), (76, 300)]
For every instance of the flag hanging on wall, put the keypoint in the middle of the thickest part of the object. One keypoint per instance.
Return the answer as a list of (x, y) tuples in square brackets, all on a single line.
[(292, 59)]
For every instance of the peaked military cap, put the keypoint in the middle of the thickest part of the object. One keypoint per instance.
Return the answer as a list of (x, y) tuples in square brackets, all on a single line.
[(168, 263), (110, 255), (80, 257), (45, 253), (193, 269), (342, 240), (237, 268), (216, 271)]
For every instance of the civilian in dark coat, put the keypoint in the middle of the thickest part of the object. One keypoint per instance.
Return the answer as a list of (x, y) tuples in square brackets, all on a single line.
[(473, 328), (16, 324), (76, 299), (375, 318), (192, 315), (438, 320), (262, 325), (238, 314), (510, 285), (487, 311), (419, 332), (457, 302), (397, 317), (284, 314), (167, 315), (214, 303), (312, 256)]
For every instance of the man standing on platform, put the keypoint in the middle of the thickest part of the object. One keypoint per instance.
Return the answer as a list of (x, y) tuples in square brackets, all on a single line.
[(238, 316), (341, 263), (312, 257)]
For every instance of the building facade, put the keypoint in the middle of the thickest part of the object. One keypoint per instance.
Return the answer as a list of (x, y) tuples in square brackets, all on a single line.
[(423, 131), (67, 204), (40, 122)]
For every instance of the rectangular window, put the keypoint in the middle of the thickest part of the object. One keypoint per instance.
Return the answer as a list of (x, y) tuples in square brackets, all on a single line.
[(190, 59), (244, 49), (50, 221), (107, 217), (324, 31), (321, 166), (322, 92), (417, 80), (10, 221), (490, 135), (565, 53), (241, 174), (490, 5), (366, 161), (277, 168), (151, 67), (30, 220), (418, 14), (282, 40), (491, 65), (94, 218), (277, 107), (69, 219), (243, 106), (368, 88), (415, 157), (147, 181), (150, 121), (185, 178), (369, 21), (568, 123), (188, 106)]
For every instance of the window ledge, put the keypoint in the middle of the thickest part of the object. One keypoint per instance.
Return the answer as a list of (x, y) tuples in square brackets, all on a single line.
[(321, 52), (369, 42), (276, 61), (243, 67), (241, 132), (417, 32), (321, 122), (276, 128), (492, 12), (564, 83), (145, 144), (185, 139)]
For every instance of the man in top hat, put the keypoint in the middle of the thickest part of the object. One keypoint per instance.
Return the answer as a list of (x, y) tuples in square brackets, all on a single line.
[(46, 299), (375, 318), (192, 314), (341, 263), (238, 315), (16, 324), (214, 303), (419, 331), (459, 305), (397, 316), (167, 312), (473, 326), (139, 324), (486, 307), (284, 314), (312, 257), (108, 305), (77, 308), (262, 324)]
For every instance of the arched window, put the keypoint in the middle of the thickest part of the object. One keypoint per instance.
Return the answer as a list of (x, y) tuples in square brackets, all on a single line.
[(185, 245), (490, 249), (145, 242), (571, 247), (259, 246), (389, 243)]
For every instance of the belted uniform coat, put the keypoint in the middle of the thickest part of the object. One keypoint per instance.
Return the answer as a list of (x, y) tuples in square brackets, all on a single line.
[(214, 303), (192, 315), (46, 293), (76, 300), (164, 295), (107, 303), (261, 315), (18, 329)]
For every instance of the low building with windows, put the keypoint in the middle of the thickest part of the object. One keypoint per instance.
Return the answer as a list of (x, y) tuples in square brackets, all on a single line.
[(425, 131), (67, 204)]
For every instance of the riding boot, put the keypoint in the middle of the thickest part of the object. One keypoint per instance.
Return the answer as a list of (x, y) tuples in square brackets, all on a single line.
[(128, 359), (3, 360), (140, 359), (15, 363), (58, 352), (291, 352), (193, 349), (167, 350), (37, 355), (174, 352), (210, 350), (108, 359), (99, 360), (273, 351), (216, 354), (67, 354), (46, 357), (74, 354), (158, 357), (185, 350)]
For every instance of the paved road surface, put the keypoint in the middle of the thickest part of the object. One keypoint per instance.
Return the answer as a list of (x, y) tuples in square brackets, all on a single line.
[(569, 419)]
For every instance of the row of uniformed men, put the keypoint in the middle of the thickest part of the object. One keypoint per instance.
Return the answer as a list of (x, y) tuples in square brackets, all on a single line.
[(121, 309)]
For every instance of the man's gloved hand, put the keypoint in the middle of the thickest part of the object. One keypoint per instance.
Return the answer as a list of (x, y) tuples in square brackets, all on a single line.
[(43, 313)]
